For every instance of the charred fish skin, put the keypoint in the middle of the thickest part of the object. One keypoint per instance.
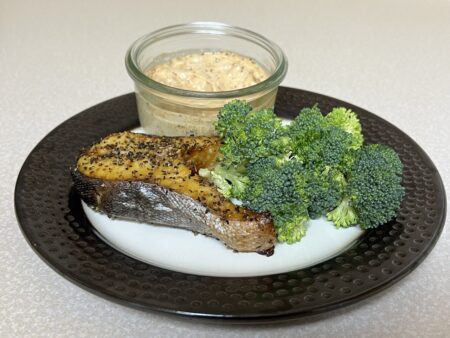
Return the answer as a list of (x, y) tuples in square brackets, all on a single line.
[(196, 206), (141, 202), (153, 204)]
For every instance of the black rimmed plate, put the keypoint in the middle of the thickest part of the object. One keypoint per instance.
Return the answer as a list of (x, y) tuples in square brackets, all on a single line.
[(53, 222)]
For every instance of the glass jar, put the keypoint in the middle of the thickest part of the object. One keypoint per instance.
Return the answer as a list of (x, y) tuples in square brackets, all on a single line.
[(165, 110)]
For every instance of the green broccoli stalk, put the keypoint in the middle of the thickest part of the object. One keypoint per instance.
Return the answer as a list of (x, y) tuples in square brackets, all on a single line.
[(344, 215), (230, 181), (290, 222)]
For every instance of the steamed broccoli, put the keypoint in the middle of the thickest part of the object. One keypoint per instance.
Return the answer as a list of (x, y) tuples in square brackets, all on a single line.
[(249, 135), (324, 189), (314, 166), (230, 181), (231, 116), (290, 222), (304, 129), (278, 186), (272, 182), (374, 191), (343, 215), (347, 120), (316, 142)]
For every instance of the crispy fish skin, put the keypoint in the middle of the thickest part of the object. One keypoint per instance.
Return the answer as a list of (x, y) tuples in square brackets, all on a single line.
[(154, 180)]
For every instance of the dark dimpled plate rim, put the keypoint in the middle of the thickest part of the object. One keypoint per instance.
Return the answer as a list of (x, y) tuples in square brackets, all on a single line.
[(51, 219)]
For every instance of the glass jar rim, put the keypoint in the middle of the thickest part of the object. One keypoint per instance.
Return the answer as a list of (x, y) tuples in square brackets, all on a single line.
[(201, 27)]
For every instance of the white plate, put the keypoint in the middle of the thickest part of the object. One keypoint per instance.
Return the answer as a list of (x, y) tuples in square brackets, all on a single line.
[(180, 250)]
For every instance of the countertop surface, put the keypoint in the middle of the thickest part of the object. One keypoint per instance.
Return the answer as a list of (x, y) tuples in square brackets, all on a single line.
[(58, 58)]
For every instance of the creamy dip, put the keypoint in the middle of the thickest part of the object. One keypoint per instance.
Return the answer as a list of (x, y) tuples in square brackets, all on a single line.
[(212, 71), (168, 114)]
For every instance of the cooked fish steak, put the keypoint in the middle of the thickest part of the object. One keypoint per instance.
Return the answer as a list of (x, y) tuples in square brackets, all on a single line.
[(155, 180)]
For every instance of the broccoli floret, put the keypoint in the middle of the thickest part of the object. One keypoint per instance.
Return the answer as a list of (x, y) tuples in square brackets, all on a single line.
[(305, 127), (258, 134), (290, 222), (333, 146), (348, 121), (230, 181), (315, 142), (375, 185), (373, 191), (324, 190), (231, 116), (277, 186), (274, 182)]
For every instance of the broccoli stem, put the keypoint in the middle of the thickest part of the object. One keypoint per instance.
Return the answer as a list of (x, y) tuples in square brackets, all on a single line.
[(344, 215), (292, 232), (230, 181)]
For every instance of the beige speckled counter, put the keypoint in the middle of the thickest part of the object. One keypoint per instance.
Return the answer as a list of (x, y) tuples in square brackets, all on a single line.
[(60, 57)]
